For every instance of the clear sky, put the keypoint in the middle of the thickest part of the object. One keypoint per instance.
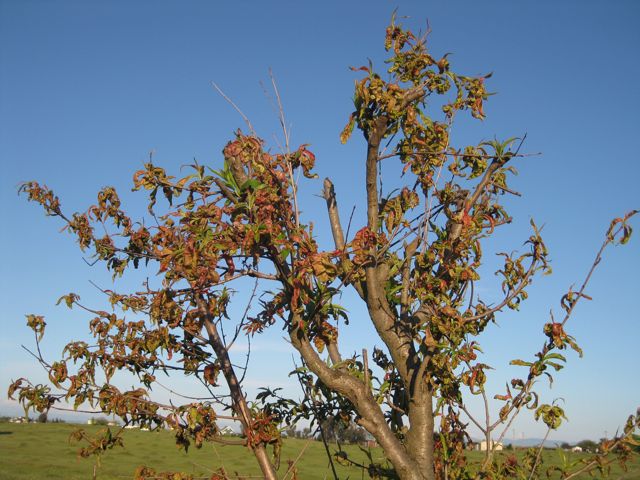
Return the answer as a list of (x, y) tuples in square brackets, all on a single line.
[(89, 88)]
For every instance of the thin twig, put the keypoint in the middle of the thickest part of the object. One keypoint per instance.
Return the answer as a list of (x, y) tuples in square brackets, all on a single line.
[(237, 109), (287, 146), (537, 460), (292, 466)]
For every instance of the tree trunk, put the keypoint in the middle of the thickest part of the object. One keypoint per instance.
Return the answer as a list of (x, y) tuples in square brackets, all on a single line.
[(420, 434)]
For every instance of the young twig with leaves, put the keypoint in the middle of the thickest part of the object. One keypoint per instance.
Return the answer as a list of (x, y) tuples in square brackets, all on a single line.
[(414, 264)]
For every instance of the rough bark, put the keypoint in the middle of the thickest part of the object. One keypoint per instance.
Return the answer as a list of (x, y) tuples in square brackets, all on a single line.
[(420, 434), (337, 232), (359, 394)]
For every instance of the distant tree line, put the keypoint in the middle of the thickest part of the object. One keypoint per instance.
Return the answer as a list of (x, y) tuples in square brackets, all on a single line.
[(337, 430), (42, 418), (333, 430), (591, 446), (291, 432)]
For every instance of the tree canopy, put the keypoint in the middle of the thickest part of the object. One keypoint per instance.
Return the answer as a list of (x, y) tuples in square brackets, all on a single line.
[(414, 264)]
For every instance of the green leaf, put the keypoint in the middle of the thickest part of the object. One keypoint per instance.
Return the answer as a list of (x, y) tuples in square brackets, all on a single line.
[(556, 356), (252, 183), (520, 363)]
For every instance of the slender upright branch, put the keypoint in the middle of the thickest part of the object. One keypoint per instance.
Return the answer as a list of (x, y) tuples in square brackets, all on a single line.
[(237, 396)]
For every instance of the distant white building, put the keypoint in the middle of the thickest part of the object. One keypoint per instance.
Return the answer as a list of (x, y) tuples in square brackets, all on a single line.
[(19, 420), (496, 446), (576, 449), (227, 430)]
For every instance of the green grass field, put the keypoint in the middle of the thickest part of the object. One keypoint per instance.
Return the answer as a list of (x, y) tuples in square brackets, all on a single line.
[(43, 451)]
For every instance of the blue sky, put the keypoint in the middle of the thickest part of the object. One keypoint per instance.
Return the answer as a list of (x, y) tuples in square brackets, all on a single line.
[(88, 89)]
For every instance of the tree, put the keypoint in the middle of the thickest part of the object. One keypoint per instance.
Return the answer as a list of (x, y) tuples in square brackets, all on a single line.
[(587, 445), (336, 430), (414, 264), (354, 434), (99, 421), (333, 429)]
